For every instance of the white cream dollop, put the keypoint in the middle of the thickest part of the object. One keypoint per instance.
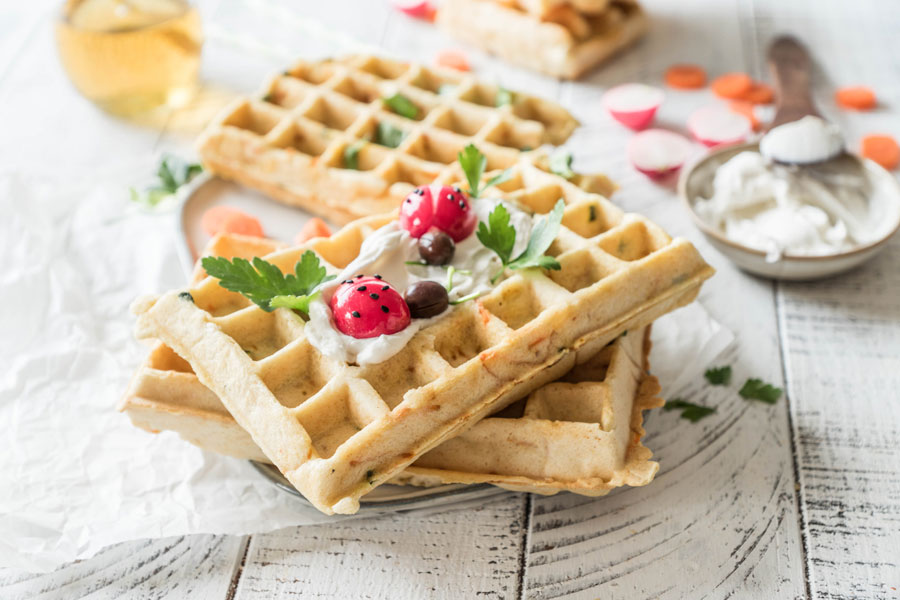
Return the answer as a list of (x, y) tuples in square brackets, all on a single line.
[(781, 210), (805, 141), (386, 253)]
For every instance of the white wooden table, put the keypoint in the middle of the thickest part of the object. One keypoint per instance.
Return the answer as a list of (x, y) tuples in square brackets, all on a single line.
[(797, 500)]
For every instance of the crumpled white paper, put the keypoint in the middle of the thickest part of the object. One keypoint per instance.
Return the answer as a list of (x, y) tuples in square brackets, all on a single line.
[(75, 475)]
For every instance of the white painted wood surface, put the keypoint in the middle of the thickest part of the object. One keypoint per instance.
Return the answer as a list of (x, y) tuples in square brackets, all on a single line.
[(796, 500)]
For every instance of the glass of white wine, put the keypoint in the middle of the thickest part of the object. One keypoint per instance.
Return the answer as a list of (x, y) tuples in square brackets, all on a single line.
[(129, 56)]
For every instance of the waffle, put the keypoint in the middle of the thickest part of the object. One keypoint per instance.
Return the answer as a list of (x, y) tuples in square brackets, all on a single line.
[(337, 430), (291, 140), (568, 435), (546, 8), (562, 43)]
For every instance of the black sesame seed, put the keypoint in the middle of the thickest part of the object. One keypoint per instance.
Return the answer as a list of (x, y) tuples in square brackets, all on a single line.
[(377, 276), (407, 200), (359, 276), (355, 313), (373, 296), (361, 288), (347, 281), (457, 189), (462, 204), (385, 308), (419, 192), (385, 288), (450, 197)]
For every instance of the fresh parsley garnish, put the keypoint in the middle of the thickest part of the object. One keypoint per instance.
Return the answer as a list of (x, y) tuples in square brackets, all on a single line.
[(351, 155), (171, 174), (401, 105), (473, 163), (388, 135), (265, 285), (503, 97), (561, 164), (718, 375), (498, 235), (690, 411), (757, 389)]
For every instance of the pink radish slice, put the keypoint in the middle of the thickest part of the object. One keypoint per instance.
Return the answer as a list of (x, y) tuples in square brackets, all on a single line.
[(716, 125), (414, 8), (657, 152), (633, 104)]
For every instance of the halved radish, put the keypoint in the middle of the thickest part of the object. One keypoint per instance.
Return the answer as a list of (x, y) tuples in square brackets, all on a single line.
[(420, 9), (716, 125), (633, 104), (658, 152)]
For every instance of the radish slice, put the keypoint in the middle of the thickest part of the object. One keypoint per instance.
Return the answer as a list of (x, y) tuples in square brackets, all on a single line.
[(633, 104), (420, 9), (657, 152), (716, 125)]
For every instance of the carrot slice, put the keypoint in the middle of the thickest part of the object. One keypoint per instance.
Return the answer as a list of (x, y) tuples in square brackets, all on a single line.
[(685, 77), (453, 59), (882, 149), (759, 93), (227, 219), (857, 97), (744, 108), (732, 86), (313, 228)]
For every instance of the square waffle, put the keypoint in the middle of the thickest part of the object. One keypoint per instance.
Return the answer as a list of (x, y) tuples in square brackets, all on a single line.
[(562, 42), (336, 430), (292, 140), (546, 8)]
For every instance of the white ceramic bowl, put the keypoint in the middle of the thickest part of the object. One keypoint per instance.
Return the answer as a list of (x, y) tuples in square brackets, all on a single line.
[(696, 178)]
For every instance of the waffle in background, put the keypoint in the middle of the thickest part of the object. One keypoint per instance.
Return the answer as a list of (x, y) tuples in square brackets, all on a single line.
[(336, 430), (298, 139), (557, 38), (581, 433)]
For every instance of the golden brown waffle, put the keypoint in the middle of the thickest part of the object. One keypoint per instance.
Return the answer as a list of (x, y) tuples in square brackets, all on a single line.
[(292, 140), (337, 430), (546, 8), (562, 43), (581, 433)]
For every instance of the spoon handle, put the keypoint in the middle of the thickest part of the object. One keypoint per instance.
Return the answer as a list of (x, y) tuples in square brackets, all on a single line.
[(791, 71)]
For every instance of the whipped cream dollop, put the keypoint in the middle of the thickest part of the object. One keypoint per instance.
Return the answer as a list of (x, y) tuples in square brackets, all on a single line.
[(805, 141), (386, 252), (787, 210)]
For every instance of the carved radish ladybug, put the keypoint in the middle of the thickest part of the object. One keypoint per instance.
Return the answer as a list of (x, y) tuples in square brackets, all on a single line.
[(442, 207), (366, 307)]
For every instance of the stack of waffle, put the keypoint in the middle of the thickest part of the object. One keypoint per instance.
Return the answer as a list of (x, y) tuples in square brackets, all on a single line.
[(562, 38), (537, 385)]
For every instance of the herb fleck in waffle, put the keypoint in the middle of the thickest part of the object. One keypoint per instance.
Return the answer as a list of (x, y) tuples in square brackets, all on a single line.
[(351, 137), (337, 430)]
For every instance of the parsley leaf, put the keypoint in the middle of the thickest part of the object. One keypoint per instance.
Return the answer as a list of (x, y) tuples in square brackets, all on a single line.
[(351, 155), (473, 163), (503, 97), (498, 234), (265, 285), (757, 389), (401, 105), (388, 135), (542, 236), (718, 375), (172, 173), (690, 411), (561, 164)]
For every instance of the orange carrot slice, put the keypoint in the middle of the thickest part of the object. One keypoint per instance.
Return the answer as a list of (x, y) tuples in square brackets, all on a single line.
[(857, 97), (685, 77), (453, 59), (882, 149), (227, 219), (742, 107), (732, 86), (759, 93), (313, 228)]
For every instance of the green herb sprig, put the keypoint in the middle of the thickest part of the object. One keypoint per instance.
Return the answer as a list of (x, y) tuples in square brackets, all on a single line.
[(473, 163), (503, 97), (718, 375), (388, 135), (690, 411), (351, 155), (172, 173), (757, 389), (561, 164), (401, 105), (265, 285), (498, 235)]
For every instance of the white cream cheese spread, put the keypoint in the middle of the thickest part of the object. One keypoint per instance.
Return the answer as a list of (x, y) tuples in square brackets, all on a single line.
[(805, 141)]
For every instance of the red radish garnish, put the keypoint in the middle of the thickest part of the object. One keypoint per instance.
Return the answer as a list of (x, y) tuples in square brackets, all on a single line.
[(366, 307), (658, 152), (444, 207), (716, 125), (420, 9), (633, 104)]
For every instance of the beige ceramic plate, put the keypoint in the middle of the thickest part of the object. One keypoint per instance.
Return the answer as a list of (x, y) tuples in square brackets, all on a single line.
[(696, 181)]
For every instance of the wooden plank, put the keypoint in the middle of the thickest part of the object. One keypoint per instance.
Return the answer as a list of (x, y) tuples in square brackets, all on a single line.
[(466, 553), (197, 567)]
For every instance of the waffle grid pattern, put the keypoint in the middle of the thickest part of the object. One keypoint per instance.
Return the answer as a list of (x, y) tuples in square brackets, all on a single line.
[(292, 140), (336, 430)]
